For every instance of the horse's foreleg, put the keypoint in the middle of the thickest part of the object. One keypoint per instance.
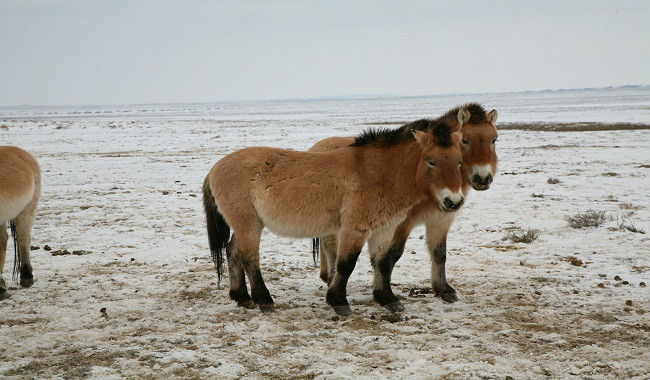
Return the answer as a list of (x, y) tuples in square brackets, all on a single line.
[(383, 258), (23, 224), (4, 236), (350, 245), (437, 244), (328, 246), (237, 276)]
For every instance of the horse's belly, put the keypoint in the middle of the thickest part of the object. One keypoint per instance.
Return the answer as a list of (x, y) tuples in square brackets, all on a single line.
[(302, 222)]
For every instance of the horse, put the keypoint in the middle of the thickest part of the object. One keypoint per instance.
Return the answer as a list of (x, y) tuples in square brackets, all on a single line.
[(357, 193), (20, 189), (478, 170)]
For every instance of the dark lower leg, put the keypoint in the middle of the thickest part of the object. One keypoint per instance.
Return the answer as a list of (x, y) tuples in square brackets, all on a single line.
[(3, 254), (4, 236), (336, 294), (236, 274), (438, 276), (3, 289), (383, 266), (23, 232), (260, 293)]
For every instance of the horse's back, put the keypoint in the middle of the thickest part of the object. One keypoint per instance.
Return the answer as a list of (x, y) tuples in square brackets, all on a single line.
[(19, 181), (292, 193), (331, 143), (236, 172)]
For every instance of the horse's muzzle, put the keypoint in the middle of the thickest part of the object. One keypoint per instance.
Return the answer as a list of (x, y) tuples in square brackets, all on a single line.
[(481, 183), (450, 206)]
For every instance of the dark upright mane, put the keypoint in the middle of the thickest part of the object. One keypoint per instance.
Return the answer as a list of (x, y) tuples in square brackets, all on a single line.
[(440, 128), (477, 114)]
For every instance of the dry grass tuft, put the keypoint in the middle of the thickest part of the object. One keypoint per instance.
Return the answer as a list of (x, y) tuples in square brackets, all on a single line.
[(590, 218), (627, 224), (528, 236), (553, 181), (629, 206)]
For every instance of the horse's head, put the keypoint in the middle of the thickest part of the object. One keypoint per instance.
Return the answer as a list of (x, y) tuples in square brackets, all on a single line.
[(439, 167), (479, 149)]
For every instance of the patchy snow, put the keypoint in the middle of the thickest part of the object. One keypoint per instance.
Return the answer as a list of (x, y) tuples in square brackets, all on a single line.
[(126, 186)]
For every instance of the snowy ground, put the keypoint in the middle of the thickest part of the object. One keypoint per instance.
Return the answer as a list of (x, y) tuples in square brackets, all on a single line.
[(127, 188)]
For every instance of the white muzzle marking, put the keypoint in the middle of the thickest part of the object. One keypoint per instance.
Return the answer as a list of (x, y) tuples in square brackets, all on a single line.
[(482, 171), (454, 196)]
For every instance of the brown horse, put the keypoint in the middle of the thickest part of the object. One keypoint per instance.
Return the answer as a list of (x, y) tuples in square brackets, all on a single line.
[(478, 170), (20, 188), (355, 192)]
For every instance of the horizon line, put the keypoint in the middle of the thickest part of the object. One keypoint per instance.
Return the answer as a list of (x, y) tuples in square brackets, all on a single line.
[(329, 97)]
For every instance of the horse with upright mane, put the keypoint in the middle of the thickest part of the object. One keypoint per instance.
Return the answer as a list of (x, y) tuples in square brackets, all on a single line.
[(478, 169), (20, 189), (357, 193)]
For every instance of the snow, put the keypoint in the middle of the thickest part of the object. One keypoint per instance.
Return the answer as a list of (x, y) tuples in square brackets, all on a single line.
[(524, 311)]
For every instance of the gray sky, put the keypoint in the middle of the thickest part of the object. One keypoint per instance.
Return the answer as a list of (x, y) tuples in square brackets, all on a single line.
[(118, 52)]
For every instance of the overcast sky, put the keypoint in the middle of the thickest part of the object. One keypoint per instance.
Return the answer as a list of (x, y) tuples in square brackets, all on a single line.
[(118, 52)]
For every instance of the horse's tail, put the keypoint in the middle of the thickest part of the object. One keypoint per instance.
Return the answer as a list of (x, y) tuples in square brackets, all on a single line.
[(315, 249), (14, 236), (218, 229)]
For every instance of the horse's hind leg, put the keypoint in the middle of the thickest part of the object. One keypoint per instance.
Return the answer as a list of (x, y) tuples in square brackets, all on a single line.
[(4, 236), (237, 276), (248, 243), (23, 224), (328, 246)]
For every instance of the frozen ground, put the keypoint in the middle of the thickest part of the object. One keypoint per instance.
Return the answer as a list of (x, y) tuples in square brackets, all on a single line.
[(125, 184)]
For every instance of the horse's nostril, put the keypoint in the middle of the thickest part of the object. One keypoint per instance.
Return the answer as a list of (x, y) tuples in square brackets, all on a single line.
[(482, 181), (450, 205)]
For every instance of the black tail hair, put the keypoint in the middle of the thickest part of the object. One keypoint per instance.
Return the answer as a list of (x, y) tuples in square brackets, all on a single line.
[(14, 236), (218, 229), (315, 249)]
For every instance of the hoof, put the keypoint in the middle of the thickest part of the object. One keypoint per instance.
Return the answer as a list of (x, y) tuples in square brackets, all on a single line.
[(26, 282), (449, 297), (4, 295), (267, 308), (343, 310), (395, 307), (247, 304)]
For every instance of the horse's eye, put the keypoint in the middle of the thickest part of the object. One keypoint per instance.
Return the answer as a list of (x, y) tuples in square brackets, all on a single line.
[(494, 141), (431, 163), (460, 163), (464, 141)]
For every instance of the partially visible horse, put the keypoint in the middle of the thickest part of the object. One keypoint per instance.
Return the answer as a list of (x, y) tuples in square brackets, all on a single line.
[(20, 188), (478, 170), (357, 193)]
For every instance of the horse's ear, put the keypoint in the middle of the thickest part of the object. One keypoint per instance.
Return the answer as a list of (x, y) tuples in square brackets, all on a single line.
[(492, 117), (456, 137), (463, 116), (422, 138)]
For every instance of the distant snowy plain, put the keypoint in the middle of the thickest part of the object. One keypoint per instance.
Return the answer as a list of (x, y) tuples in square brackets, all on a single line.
[(123, 182)]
